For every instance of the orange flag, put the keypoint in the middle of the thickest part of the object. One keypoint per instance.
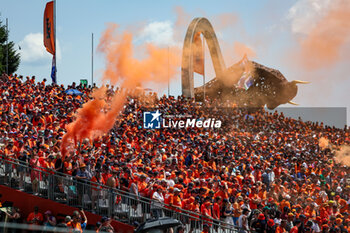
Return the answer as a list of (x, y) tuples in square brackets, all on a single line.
[(198, 55), (49, 37)]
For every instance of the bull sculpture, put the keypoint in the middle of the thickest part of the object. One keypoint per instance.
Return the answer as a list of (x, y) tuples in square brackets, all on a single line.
[(246, 83)]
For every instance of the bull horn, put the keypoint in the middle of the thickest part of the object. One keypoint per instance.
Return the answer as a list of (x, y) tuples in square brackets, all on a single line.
[(292, 103), (300, 82)]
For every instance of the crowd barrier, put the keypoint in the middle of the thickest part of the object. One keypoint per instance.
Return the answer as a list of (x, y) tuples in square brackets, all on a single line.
[(123, 206), (6, 227)]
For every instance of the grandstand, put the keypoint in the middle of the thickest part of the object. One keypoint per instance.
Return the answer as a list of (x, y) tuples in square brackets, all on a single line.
[(260, 172)]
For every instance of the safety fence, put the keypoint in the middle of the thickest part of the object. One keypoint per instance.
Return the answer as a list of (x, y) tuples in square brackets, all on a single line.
[(7, 227), (123, 206)]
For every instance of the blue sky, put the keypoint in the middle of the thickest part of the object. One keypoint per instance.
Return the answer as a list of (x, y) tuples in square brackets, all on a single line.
[(270, 27)]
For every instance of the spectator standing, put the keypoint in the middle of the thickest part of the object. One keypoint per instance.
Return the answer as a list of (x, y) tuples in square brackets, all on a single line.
[(260, 225), (105, 225), (49, 220), (157, 202), (64, 223), (271, 227), (297, 224), (78, 224), (228, 212), (35, 174), (14, 216), (82, 177), (96, 188), (243, 222), (35, 217)]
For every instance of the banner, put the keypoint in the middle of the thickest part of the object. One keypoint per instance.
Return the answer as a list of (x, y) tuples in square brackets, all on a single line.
[(247, 79), (53, 70), (198, 54), (49, 37)]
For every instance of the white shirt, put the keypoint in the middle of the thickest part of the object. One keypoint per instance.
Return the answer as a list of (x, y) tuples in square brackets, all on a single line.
[(315, 227), (171, 183), (157, 200), (271, 176), (240, 222)]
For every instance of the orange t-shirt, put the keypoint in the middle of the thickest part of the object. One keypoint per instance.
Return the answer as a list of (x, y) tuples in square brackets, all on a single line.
[(176, 201), (33, 216), (293, 230), (168, 198), (76, 226)]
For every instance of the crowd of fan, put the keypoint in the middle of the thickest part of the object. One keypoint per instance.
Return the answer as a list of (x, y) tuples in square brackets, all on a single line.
[(46, 221), (260, 171)]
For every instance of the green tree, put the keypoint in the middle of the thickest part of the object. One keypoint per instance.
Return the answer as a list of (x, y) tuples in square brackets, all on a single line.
[(13, 55)]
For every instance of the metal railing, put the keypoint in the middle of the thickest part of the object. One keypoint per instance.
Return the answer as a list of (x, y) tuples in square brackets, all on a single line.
[(8, 227), (123, 206)]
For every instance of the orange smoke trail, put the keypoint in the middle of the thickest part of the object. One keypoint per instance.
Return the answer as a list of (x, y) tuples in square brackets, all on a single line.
[(343, 155), (322, 47), (83, 126), (121, 68), (225, 20), (241, 50), (245, 68), (221, 22), (183, 18), (323, 143)]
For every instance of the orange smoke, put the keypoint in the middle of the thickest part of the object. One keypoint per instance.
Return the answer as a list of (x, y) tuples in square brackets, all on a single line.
[(241, 50), (343, 155), (98, 116), (123, 67), (85, 124), (323, 143), (243, 68), (322, 47), (183, 19), (220, 21), (225, 21)]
